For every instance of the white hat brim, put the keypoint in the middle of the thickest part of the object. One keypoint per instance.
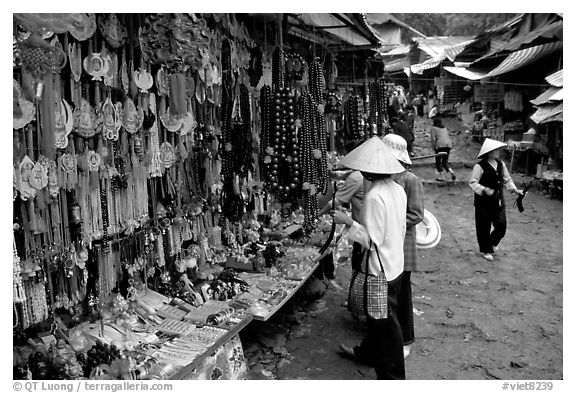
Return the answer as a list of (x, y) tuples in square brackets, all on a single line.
[(373, 156), (428, 232), (490, 145)]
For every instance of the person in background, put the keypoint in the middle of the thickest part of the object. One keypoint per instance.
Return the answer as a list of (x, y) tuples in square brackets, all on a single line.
[(351, 192), (401, 97), (488, 179), (400, 127), (394, 107), (382, 235), (414, 214), (410, 123), (419, 104), (441, 143)]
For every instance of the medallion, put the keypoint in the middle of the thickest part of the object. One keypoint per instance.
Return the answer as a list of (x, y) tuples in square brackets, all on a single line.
[(132, 117), (112, 31), (75, 58), (85, 28), (96, 66), (85, 121), (143, 80), (110, 120)]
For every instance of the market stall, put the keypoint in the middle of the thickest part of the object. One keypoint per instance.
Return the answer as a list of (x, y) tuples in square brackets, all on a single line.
[(167, 173)]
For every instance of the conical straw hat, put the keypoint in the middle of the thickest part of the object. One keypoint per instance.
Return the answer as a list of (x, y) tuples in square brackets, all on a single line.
[(373, 157), (489, 145), (398, 146)]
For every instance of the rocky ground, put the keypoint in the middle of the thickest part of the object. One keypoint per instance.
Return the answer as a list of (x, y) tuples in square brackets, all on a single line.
[(474, 319)]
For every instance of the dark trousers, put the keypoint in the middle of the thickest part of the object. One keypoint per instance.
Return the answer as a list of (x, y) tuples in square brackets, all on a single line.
[(326, 268), (486, 217), (442, 161), (382, 346), (405, 309)]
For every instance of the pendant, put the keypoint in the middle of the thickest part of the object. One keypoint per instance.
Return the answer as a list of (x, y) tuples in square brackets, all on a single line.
[(110, 76), (124, 74), (133, 118), (68, 162), (170, 122), (93, 160), (38, 177), (84, 29), (112, 31), (64, 122), (96, 66), (143, 80), (85, 121), (24, 111), (163, 82), (75, 58), (167, 154), (53, 186), (110, 120)]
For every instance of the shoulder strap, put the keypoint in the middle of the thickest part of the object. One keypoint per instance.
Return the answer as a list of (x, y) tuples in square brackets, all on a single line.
[(380, 261)]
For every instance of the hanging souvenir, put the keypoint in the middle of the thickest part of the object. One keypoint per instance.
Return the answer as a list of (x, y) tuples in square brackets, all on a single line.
[(132, 117), (112, 73), (93, 161), (39, 58), (68, 162), (26, 190), (24, 110), (163, 82), (63, 118), (171, 122), (110, 120), (38, 177), (266, 78), (124, 73), (143, 80), (53, 185), (85, 121), (75, 58), (84, 29), (189, 123), (200, 92), (96, 66), (112, 31), (167, 154), (190, 87)]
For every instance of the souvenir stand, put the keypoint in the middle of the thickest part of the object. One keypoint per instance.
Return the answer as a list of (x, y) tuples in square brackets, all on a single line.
[(166, 182)]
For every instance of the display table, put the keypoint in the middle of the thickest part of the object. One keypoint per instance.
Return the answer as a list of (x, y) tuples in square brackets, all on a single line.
[(223, 360)]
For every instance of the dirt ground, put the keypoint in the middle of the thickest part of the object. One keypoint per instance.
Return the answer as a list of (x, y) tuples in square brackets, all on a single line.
[(474, 319)]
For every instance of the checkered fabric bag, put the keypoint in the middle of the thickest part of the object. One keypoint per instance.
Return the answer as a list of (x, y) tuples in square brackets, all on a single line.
[(368, 294)]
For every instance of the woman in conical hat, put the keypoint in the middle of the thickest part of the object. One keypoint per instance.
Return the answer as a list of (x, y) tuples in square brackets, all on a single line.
[(488, 179), (382, 231)]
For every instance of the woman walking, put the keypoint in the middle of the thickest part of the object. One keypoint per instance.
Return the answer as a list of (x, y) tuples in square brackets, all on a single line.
[(381, 235), (441, 143), (488, 179)]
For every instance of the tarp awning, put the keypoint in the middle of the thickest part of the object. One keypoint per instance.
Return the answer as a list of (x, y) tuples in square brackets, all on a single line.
[(546, 112), (547, 31), (466, 73), (428, 64), (552, 94), (350, 28), (396, 65), (559, 117), (524, 57), (512, 62), (556, 79)]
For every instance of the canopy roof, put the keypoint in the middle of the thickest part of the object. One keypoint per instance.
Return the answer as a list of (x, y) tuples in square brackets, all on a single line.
[(512, 62)]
